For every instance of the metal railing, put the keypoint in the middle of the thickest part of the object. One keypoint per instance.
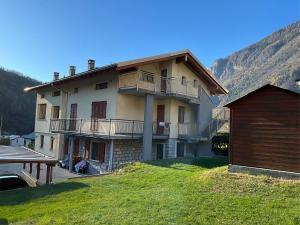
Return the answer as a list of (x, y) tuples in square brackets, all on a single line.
[(149, 81), (187, 129), (108, 127)]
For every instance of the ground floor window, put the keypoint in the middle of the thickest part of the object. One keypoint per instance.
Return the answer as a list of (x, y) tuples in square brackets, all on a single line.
[(41, 141), (98, 151), (159, 151), (180, 149)]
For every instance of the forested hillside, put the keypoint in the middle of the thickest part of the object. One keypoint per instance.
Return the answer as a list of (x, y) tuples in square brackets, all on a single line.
[(17, 107)]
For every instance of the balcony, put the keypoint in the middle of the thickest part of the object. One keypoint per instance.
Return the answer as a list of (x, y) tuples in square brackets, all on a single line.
[(113, 128), (143, 81)]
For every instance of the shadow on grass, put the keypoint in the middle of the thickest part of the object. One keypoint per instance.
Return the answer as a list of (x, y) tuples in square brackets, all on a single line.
[(203, 162), (3, 221), (14, 197)]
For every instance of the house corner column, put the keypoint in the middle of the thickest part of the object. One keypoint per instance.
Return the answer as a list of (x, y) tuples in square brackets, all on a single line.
[(147, 135)]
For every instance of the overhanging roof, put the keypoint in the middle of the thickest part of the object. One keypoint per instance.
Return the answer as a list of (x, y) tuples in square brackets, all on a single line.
[(184, 56), (10, 154)]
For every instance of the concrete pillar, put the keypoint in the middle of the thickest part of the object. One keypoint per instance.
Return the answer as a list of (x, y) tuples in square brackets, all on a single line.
[(71, 148), (198, 120), (147, 135), (111, 148)]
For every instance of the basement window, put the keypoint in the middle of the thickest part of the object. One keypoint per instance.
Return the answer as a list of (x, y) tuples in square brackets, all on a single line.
[(100, 86)]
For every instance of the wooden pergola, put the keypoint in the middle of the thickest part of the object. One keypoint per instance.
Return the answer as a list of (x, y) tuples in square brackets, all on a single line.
[(10, 154)]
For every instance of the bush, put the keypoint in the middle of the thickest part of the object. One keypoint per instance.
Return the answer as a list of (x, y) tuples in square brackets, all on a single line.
[(31, 145), (220, 143), (5, 141)]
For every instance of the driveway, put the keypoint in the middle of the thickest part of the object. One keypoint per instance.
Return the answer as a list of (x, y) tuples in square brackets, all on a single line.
[(59, 174)]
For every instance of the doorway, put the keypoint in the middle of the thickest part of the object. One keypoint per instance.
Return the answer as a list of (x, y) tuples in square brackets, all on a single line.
[(160, 118), (163, 82), (180, 149), (159, 151)]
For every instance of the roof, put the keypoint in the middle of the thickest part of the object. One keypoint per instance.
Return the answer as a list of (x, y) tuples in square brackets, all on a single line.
[(9, 154), (256, 90), (184, 56)]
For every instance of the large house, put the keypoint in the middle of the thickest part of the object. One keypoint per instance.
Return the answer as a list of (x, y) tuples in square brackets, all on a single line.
[(150, 108)]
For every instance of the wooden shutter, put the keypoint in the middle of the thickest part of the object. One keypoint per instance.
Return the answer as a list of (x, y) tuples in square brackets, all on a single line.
[(73, 113), (99, 110), (101, 152), (87, 149)]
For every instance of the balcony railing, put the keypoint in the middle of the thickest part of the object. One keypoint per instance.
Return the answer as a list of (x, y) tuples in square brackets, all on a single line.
[(187, 129), (107, 127), (144, 80)]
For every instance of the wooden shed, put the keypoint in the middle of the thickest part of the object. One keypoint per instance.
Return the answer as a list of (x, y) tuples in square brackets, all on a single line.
[(265, 130)]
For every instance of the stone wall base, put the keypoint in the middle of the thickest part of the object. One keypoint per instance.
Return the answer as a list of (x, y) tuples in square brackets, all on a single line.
[(263, 171)]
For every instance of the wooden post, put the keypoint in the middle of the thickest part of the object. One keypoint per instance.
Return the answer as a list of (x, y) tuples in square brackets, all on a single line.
[(24, 166), (51, 171), (38, 167), (48, 174), (30, 168)]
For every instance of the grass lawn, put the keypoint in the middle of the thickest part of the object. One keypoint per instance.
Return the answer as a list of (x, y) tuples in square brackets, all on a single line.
[(185, 191)]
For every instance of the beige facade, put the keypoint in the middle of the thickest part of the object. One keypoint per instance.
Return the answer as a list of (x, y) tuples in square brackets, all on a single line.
[(174, 87)]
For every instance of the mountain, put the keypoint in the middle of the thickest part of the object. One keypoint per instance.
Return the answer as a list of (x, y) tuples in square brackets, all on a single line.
[(275, 59), (17, 107)]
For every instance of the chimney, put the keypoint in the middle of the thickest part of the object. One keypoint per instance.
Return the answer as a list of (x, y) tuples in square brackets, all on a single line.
[(56, 76), (91, 64), (72, 70)]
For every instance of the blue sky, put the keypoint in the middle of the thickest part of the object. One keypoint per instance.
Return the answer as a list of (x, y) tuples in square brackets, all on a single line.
[(40, 37)]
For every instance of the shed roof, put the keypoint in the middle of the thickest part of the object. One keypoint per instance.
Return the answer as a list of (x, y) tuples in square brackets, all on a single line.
[(256, 90), (10, 154)]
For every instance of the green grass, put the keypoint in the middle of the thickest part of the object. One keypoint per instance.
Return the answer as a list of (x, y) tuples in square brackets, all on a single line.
[(186, 191)]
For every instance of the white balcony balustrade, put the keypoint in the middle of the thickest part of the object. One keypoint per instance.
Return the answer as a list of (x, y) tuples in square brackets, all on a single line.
[(146, 81)]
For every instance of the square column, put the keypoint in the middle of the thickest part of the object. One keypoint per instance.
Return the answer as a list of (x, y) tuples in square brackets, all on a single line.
[(147, 134)]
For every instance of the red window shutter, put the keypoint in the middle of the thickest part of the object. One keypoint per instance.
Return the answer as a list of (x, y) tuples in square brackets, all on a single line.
[(102, 152), (99, 110)]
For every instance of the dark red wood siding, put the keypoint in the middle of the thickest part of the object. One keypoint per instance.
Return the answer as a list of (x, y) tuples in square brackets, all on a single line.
[(265, 130)]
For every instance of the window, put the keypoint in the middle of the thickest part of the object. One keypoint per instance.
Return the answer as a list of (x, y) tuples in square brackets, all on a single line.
[(101, 86), (55, 112), (51, 143), (98, 151), (55, 93), (75, 90), (42, 111), (41, 141), (183, 80), (180, 149), (195, 83), (180, 114)]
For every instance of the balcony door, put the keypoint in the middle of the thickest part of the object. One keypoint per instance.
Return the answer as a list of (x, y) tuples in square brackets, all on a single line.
[(160, 118), (73, 117), (163, 82), (98, 112)]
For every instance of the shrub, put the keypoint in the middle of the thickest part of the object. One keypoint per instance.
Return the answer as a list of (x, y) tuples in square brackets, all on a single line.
[(4, 141)]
